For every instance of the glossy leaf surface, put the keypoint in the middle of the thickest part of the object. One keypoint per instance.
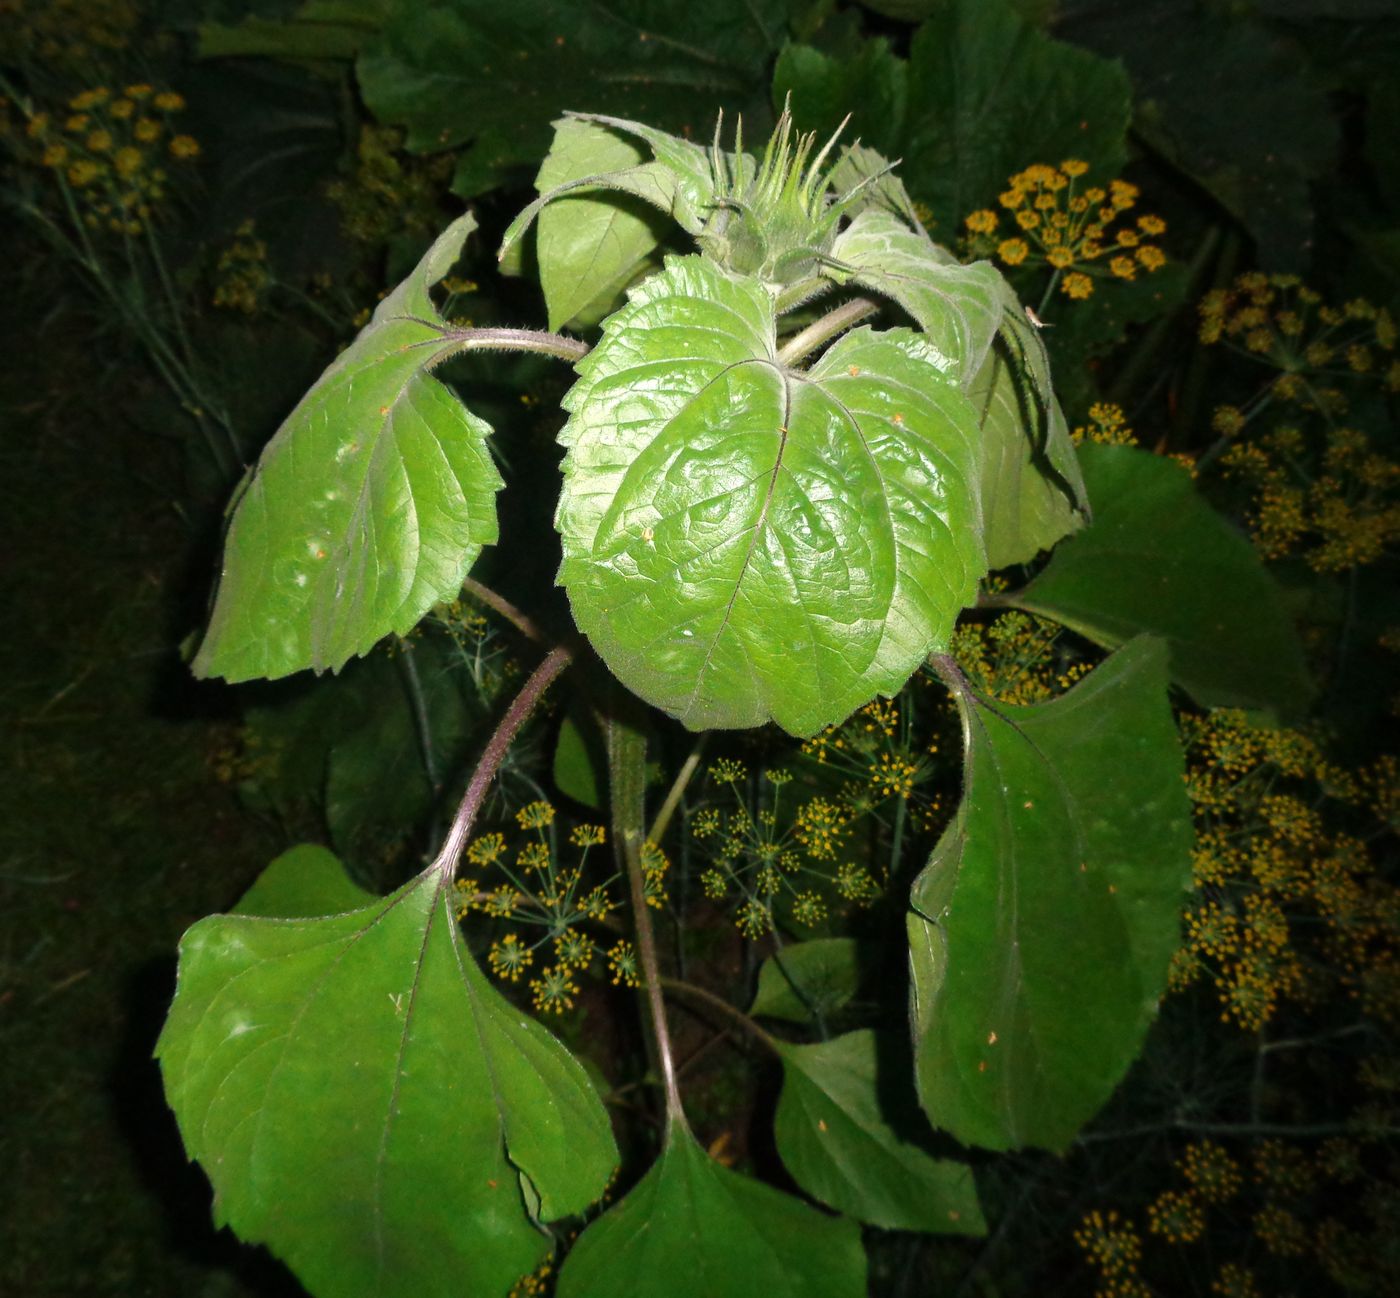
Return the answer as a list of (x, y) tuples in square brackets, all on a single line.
[(1044, 923), (1158, 558), (958, 307), (820, 975), (693, 1229), (369, 1107), (835, 1140), (368, 506), (743, 541)]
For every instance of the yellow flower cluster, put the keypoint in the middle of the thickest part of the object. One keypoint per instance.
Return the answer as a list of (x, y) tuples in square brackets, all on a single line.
[(107, 154), (74, 38), (552, 900), (1080, 231), (1333, 500), (1280, 322), (241, 277), (387, 192), (1108, 425), (1112, 1245), (1269, 864), (821, 828), (1016, 658)]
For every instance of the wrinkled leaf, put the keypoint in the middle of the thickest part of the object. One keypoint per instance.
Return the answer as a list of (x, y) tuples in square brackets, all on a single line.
[(1046, 918), (835, 1140), (369, 1107), (591, 245), (959, 308), (1158, 558), (693, 1229), (368, 506), (492, 76), (826, 970), (745, 542), (304, 881)]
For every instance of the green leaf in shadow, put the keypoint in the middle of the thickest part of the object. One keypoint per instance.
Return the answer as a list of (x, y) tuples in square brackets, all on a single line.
[(836, 1141), (822, 974), (1159, 559), (693, 1229), (1044, 922)]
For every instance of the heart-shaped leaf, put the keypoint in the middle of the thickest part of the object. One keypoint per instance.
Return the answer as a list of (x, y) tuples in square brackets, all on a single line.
[(693, 1229), (834, 1138), (1158, 558), (368, 506), (959, 308), (820, 975), (369, 1107), (744, 541), (1045, 920)]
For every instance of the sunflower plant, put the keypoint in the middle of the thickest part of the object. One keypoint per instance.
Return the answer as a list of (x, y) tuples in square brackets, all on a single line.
[(800, 438)]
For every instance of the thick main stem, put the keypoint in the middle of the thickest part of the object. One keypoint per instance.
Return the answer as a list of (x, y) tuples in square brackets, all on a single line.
[(627, 771), (521, 706)]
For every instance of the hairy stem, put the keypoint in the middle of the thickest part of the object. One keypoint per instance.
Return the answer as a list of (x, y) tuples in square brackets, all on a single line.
[(807, 340), (540, 680), (522, 622), (699, 996), (513, 340), (627, 772)]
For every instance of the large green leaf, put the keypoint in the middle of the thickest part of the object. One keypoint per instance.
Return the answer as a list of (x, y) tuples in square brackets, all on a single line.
[(1044, 923), (368, 506), (820, 975), (989, 95), (693, 1229), (369, 1107), (836, 1141), (590, 246), (959, 308), (305, 881), (743, 541), (493, 76), (1158, 558)]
